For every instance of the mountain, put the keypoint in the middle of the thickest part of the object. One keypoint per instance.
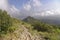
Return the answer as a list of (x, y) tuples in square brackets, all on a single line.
[(14, 29), (31, 20), (27, 29), (53, 19), (39, 25), (48, 16)]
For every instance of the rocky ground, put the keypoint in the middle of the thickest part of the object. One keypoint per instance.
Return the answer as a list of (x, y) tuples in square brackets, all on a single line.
[(22, 33)]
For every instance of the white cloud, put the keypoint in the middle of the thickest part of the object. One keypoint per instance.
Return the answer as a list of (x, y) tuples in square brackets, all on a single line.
[(27, 7), (32, 7), (36, 3), (4, 4), (57, 11), (14, 9), (11, 9), (49, 12), (44, 13)]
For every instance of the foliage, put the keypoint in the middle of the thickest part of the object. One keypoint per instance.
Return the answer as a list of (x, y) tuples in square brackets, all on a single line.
[(5, 22), (51, 32), (9, 24)]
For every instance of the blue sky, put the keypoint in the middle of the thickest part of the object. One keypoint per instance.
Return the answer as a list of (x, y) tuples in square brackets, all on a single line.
[(48, 7), (18, 3), (31, 7)]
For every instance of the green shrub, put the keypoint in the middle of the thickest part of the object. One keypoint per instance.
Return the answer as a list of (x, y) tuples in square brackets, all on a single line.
[(5, 22)]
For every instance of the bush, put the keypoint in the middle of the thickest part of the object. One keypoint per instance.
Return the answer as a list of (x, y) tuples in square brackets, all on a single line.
[(5, 22)]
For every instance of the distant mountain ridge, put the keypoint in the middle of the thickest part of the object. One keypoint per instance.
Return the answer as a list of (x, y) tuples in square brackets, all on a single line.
[(51, 20), (31, 20)]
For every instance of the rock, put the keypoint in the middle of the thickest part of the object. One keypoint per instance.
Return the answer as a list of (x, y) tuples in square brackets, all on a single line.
[(22, 33)]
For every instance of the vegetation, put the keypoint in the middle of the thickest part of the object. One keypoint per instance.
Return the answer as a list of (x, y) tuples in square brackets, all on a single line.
[(6, 23), (51, 32), (9, 25)]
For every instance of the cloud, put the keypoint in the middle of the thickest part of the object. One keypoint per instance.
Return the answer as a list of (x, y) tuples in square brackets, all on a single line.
[(27, 7), (14, 9), (11, 9), (49, 13), (31, 8), (32, 4), (36, 3), (4, 4), (44, 13)]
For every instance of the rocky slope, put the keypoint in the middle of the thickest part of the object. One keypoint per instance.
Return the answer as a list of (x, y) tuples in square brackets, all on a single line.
[(21, 33)]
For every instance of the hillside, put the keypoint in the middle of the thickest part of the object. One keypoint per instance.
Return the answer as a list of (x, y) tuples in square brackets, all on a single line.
[(27, 29), (31, 20), (45, 28), (55, 20), (14, 29)]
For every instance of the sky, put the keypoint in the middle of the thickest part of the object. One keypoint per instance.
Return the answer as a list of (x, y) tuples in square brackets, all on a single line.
[(24, 8)]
